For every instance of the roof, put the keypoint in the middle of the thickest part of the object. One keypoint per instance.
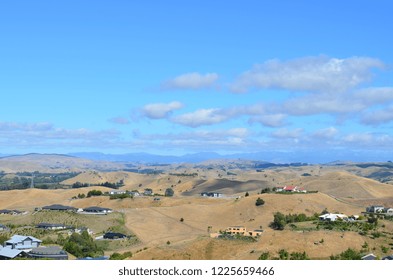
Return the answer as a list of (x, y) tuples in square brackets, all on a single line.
[(94, 259), (20, 238), (58, 207), (50, 225), (390, 258), (96, 209), (289, 188), (50, 250), (112, 235), (369, 257), (8, 252)]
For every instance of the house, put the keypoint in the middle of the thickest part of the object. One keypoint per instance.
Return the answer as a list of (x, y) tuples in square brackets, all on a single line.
[(80, 230), (51, 226), (388, 211), (333, 217), (292, 189), (148, 192), (50, 252), (211, 194), (3, 227), (236, 230), (135, 193), (11, 212), (369, 257), (7, 253), (117, 192), (375, 209), (114, 235), (21, 242), (97, 210), (255, 232), (58, 207), (388, 258)]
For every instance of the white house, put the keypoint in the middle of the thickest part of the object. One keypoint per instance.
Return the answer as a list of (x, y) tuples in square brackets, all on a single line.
[(21, 242), (333, 217)]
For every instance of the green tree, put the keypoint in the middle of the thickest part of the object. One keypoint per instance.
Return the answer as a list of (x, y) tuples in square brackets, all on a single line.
[(264, 256), (169, 192), (279, 221), (283, 254), (259, 202)]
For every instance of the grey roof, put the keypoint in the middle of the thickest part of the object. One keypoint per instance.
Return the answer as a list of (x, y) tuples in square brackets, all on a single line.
[(48, 225), (20, 238), (58, 207), (369, 257), (388, 258), (96, 208), (50, 250), (8, 252)]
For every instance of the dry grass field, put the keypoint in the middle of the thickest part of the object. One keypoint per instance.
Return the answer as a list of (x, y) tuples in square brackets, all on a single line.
[(179, 227)]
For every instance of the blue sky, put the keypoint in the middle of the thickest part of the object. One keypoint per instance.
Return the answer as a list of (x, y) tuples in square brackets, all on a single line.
[(178, 77)]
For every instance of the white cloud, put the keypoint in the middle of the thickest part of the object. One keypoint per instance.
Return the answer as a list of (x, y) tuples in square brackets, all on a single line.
[(326, 133), (286, 133), (272, 120), (373, 96), (311, 74), (191, 81), (14, 126), (160, 110), (202, 117), (119, 120), (378, 117)]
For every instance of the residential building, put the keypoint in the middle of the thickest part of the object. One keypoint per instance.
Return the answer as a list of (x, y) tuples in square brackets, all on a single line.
[(21, 242), (97, 210), (50, 252)]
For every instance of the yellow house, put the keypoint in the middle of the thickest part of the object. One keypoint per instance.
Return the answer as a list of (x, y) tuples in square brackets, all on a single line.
[(236, 230)]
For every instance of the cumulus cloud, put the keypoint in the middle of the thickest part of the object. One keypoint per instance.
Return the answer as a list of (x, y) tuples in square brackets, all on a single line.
[(374, 96), (119, 120), (160, 110), (14, 126), (313, 104), (286, 133), (310, 74), (378, 117), (191, 81), (270, 120), (202, 117), (325, 133)]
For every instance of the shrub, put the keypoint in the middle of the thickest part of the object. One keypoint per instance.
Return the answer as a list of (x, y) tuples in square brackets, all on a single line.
[(259, 202)]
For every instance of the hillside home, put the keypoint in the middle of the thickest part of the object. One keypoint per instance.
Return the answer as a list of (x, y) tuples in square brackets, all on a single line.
[(11, 212), (58, 207), (117, 192), (369, 257), (329, 217), (97, 210), (236, 230), (375, 209), (51, 252), (241, 230), (7, 253), (51, 226), (388, 211), (148, 192), (80, 230), (211, 194), (114, 235), (291, 189), (255, 232), (21, 242), (3, 227)]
